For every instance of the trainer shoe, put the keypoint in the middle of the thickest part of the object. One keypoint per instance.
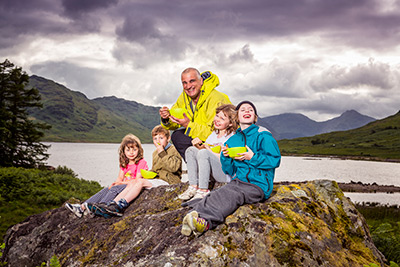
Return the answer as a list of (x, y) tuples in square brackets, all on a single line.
[(193, 223), (188, 194), (113, 208), (201, 194), (107, 210), (87, 211), (75, 209), (98, 211)]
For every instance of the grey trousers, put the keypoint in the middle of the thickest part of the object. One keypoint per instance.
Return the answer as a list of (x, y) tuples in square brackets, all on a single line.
[(220, 203), (201, 165), (105, 195)]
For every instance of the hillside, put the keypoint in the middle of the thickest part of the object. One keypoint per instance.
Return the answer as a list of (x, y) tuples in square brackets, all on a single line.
[(293, 125), (75, 118), (377, 140)]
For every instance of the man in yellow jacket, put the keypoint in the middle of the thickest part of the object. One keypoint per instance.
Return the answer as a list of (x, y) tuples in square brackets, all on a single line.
[(200, 99)]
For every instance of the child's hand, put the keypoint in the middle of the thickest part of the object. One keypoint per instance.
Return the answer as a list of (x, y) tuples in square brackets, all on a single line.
[(246, 155), (159, 147), (197, 142)]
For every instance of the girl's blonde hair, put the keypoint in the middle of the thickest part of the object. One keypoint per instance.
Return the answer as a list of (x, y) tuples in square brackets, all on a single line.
[(230, 112), (129, 139)]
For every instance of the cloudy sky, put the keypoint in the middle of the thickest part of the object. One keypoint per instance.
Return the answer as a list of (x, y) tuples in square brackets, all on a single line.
[(315, 57)]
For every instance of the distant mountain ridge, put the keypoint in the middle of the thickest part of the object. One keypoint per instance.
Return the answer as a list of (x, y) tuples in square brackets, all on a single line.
[(75, 118), (294, 125)]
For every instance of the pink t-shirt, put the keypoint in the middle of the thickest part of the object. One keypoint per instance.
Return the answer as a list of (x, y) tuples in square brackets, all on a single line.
[(131, 170)]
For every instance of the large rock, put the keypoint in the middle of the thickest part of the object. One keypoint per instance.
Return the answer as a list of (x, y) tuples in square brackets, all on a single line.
[(307, 224)]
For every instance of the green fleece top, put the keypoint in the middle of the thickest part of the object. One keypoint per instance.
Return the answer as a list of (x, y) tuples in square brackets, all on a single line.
[(202, 117), (168, 165)]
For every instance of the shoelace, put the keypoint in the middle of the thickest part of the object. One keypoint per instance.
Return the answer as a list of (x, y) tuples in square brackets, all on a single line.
[(201, 224)]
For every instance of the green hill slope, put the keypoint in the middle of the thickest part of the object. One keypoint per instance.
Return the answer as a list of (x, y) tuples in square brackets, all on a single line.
[(379, 139), (75, 118)]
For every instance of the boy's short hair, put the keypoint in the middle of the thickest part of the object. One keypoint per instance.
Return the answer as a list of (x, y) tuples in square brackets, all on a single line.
[(159, 130)]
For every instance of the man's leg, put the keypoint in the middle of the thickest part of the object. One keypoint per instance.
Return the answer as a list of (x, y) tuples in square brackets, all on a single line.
[(181, 141)]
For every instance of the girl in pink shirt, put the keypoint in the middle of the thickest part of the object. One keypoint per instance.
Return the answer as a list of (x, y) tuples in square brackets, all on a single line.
[(131, 161)]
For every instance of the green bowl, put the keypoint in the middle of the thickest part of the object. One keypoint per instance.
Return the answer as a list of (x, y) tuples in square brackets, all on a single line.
[(178, 112), (148, 174), (233, 151)]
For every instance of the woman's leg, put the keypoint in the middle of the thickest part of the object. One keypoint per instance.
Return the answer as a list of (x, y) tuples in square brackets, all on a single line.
[(220, 203)]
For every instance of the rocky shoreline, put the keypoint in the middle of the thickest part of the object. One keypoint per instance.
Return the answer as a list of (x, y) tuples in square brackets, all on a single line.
[(343, 157), (359, 187)]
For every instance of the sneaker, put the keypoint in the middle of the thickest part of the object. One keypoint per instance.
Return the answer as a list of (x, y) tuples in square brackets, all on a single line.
[(193, 223), (201, 194), (75, 209), (87, 211), (114, 208), (188, 194), (99, 211)]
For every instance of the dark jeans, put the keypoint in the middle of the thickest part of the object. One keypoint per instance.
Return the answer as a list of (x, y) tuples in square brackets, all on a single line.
[(181, 141)]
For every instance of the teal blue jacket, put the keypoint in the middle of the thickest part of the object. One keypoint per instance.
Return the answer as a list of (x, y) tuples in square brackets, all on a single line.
[(260, 169)]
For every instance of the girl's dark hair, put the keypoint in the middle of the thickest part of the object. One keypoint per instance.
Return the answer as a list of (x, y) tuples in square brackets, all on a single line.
[(230, 112), (129, 139)]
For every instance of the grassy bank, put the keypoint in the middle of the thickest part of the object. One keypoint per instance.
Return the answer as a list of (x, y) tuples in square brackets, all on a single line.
[(24, 192), (384, 225)]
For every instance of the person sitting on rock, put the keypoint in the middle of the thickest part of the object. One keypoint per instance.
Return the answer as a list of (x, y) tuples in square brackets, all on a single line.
[(253, 172), (130, 161), (167, 163), (202, 162)]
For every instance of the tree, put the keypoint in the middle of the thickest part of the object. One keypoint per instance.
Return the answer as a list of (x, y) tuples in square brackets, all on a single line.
[(19, 134)]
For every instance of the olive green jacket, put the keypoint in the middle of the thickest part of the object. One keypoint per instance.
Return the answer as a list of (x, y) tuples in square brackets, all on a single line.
[(168, 165)]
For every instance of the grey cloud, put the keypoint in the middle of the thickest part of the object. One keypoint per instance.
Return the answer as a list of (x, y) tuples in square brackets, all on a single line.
[(86, 80), (375, 74), (77, 8)]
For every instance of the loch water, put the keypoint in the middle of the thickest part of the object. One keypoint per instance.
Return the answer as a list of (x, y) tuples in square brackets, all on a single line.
[(99, 162)]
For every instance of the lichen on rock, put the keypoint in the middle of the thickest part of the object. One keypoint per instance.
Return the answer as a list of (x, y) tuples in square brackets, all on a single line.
[(305, 224)]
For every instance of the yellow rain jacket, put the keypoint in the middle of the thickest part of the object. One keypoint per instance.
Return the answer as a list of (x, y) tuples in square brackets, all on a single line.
[(202, 115)]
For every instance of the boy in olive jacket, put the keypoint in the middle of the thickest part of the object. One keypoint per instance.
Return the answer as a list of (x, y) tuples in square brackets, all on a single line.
[(167, 163)]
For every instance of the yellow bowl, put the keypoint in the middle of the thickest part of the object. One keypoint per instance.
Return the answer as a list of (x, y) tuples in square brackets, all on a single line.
[(178, 112), (148, 174), (216, 149), (232, 151)]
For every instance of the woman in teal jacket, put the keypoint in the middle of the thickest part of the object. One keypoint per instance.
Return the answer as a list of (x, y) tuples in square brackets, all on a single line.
[(252, 173)]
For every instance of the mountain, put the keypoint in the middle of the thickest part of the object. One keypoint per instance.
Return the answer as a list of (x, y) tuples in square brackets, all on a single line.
[(379, 139), (306, 224), (293, 125), (75, 118)]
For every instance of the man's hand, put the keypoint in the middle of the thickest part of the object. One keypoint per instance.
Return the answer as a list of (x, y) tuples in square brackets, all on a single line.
[(182, 122), (164, 113)]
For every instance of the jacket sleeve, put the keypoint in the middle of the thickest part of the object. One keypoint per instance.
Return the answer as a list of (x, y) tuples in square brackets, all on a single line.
[(267, 155), (171, 162), (201, 128), (228, 164)]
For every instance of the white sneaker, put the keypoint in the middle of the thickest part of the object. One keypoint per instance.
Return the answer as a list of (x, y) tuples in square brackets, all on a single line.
[(87, 211), (188, 194), (75, 209), (201, 194)]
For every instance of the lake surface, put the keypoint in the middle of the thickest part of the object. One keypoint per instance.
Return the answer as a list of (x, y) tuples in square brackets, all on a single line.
[(99, 162)]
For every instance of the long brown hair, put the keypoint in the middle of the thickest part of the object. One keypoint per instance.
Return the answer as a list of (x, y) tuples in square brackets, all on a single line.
[(129, 139), (230, 112)]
